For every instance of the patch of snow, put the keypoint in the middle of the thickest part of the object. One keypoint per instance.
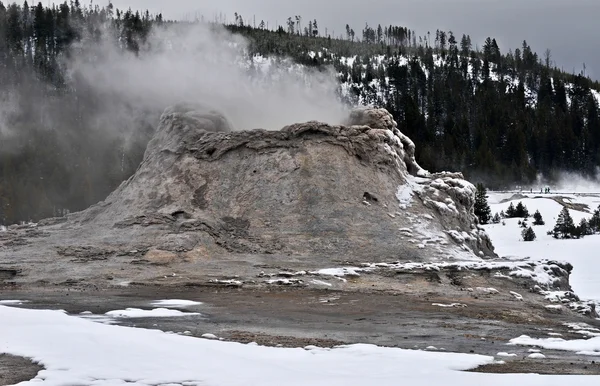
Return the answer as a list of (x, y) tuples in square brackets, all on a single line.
[(231, 282), (209, 336), (340, 272), (12, 302), (554, 307), (536, 355), (452, 305), (320, 282), (505, 354), (175, 303), (517, 295), (75, 351), (589, 346), (154, 313)]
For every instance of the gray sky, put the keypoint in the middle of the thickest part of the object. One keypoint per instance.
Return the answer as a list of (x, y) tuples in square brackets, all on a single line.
[(569, 28)]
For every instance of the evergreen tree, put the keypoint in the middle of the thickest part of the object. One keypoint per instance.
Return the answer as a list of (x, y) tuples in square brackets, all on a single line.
[(521, 210), (481, 207), (496, 219), (594, 223), (565, 227), (583, 229), (537, 217), (528, 234), (511, 211)]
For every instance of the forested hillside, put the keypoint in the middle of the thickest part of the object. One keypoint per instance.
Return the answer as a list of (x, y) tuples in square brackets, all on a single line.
[(500, 117)]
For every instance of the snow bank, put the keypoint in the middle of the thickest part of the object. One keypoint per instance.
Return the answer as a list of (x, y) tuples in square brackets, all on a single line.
[(78, 352)]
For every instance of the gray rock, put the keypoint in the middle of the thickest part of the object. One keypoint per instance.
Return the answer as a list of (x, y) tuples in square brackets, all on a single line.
[(311, 192)]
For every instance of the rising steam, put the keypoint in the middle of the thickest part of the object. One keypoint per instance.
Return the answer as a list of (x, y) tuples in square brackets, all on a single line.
[(207, 65)]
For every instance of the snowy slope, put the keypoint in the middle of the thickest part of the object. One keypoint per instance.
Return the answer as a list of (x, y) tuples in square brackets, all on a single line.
[(75, 351), (582, 254)]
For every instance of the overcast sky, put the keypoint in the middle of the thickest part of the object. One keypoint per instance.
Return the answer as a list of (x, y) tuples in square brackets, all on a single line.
[(569, 28)]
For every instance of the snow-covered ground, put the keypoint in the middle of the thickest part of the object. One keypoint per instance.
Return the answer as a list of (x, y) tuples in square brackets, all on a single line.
[(76, 351), (581, 253)]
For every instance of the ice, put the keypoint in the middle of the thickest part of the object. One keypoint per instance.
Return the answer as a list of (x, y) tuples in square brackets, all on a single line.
[(75, 351)]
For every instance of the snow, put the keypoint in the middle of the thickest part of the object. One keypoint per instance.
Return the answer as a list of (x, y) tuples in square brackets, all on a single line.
[(75, 351), (345, 271), (580, 346), (209, 336), (452, 305), (154, 313), (536, 355), (175, 303), (12, 302), (320, 282), (581, 253), (505, 354)]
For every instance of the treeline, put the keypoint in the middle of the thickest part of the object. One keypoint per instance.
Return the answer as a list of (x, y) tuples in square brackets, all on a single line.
[(506, 116), (58, 153), (501, 118)]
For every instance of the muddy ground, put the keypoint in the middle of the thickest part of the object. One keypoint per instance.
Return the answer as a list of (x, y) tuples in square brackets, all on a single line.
[(297, 317)]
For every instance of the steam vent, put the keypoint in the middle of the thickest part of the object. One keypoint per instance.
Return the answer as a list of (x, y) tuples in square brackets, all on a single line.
[(312, 193)]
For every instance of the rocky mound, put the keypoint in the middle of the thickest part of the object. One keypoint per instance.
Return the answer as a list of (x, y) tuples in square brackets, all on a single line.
[(311, 191), (308, 189)]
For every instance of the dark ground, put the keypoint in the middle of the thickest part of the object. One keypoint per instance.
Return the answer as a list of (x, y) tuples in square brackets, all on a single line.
[(297, 317)]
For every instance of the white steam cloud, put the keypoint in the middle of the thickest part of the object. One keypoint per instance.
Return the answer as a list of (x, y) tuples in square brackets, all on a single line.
[(207, 65), (566, 182)]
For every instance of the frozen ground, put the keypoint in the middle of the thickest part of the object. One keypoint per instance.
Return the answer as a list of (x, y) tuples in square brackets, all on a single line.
[(76, 351), (582, 254)]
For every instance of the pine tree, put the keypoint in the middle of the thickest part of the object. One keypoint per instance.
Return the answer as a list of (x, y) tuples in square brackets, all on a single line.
[(481, 207), (594, 223), (565, 227), (521, 210), (528, 234), (511, 211), (537, 217), (583, 229), (496, 219)]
